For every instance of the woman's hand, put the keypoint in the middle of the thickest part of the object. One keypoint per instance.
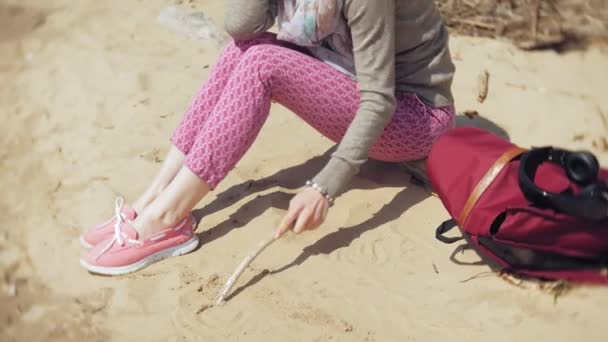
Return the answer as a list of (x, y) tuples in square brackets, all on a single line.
[(307, 211)]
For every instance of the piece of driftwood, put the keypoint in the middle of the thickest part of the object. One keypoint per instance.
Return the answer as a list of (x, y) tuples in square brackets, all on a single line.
[(221, 298), (482, 86), (542, 41)]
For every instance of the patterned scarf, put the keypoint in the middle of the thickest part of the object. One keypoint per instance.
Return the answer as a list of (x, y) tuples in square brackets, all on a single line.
[(313, 23)]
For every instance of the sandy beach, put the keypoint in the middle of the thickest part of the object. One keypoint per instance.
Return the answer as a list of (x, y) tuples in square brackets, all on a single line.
[(91, 91)]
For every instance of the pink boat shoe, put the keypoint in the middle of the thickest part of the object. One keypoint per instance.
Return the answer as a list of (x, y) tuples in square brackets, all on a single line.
[(104, 231), (124, 253)]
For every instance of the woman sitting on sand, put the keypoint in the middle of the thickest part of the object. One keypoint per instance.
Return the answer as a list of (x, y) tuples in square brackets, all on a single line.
[(373, 76)]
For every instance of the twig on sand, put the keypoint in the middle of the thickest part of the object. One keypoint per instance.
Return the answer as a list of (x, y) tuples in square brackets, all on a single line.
[(542, 41), (479, 275), (511, 279), (482, 86), (239, 270)]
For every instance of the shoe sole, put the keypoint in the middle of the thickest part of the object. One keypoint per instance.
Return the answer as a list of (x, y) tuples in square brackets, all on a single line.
[(178, 250)]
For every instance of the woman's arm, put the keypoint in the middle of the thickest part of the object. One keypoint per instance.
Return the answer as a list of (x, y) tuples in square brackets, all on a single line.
[(245, 19), (372, 25)]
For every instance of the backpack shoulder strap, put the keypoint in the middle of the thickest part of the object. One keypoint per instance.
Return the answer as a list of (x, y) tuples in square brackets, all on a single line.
[(486, 180), (444, 228)]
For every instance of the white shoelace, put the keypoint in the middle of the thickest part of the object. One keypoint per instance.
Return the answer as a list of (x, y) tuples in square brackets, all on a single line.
[(119, 235)]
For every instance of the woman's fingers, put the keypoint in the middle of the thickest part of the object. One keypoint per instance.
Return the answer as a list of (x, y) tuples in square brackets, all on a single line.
[(307, 210), (288, 221), (304, 218)]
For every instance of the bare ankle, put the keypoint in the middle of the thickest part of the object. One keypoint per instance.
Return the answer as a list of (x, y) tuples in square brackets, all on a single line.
[(152, 221), (168, 218)]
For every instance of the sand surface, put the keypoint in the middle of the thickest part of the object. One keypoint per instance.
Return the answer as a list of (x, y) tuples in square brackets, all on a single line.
[(90, 92)]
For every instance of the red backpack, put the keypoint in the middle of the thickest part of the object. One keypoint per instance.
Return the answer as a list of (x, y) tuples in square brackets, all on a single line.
[(541, 212)]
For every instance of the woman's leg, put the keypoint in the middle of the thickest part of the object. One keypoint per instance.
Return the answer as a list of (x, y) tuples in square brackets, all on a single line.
[(201, 106), (171, 165), (172, 204), (210, 93), (166, 212), (223, 138), (328, 101), (322, 96)]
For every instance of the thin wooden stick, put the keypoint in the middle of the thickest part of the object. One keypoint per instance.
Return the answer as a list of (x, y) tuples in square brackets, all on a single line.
[(482, 86), (239, 270)]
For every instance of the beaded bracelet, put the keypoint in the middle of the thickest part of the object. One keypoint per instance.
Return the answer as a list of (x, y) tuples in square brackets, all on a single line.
[(321, 190)]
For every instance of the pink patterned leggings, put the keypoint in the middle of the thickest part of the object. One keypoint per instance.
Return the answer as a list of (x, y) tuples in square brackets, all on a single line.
[(229, 110)]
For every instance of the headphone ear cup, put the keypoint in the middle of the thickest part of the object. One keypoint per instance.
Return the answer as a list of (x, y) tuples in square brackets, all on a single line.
[(590, 191), (582, 167), (593, 202)]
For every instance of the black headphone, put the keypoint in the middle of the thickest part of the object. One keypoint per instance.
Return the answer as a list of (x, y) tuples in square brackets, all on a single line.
[(581, 167)]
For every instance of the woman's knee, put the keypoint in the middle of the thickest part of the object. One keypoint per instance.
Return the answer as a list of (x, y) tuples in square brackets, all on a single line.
[(262, 57)]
